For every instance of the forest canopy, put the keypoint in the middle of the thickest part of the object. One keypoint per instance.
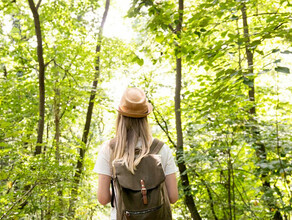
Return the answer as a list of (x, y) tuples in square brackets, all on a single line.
[(218, 74)]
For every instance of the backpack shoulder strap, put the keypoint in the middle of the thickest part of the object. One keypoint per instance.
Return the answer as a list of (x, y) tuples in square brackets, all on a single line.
[(156, 146), (112, 143)]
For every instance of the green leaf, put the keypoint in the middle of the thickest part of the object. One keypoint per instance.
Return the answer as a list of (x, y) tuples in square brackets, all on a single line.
[(223, 34), (255, 43), (138, 60), (264, 71), (286, 52), (248, 82), (232, 36), (198, 33), (260, 52), (159, 38), (233, 17), (282, 69), (204, 22), (269, 19), (275, 50)]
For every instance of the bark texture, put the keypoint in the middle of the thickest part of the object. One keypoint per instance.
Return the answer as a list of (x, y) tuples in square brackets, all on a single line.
[(189, 200), (259, 146), (41, 69), (57, 123)]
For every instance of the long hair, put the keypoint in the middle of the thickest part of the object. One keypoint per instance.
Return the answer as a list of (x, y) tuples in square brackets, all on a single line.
[(128, 132)]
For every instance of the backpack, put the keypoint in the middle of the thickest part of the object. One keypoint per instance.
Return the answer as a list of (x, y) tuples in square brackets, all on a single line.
[(142, 195)]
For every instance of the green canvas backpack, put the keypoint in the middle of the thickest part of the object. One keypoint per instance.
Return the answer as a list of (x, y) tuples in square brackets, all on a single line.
[(143, 195)]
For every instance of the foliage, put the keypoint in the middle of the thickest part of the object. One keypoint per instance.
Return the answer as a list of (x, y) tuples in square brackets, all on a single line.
[(221, 151)]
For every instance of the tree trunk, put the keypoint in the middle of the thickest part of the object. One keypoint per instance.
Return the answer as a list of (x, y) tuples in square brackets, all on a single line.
[(80, 162), (41, 122), (179, 150), (5, 71), (229, 183), (57, 140), (260, 148), (211, 199), (57, 121)]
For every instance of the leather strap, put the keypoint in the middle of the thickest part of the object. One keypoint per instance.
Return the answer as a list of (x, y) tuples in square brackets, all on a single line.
[(144, 192), (112, 143), (156, 146), (113, 194), (127, 214)]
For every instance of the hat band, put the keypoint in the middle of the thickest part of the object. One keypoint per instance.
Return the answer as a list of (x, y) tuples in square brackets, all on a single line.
[(134, 111)]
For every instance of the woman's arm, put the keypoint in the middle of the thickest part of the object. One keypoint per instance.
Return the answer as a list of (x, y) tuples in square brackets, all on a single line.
[(103, 191), (171, 186)]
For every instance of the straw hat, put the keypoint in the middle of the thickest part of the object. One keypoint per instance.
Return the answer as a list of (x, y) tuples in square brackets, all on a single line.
[(134, 104)]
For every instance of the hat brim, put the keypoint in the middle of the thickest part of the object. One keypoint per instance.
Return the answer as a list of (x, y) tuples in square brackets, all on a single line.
[(136, 115)]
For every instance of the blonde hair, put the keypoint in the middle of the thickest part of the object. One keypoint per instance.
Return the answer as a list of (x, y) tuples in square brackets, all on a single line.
[(128, 132)]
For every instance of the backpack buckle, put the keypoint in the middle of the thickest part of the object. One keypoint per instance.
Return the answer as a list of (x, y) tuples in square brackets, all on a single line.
[(144, 192), (127, 214)]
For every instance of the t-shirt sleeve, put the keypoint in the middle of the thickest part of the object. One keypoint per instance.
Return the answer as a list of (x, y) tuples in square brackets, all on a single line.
[(167, 158), (102, 165)]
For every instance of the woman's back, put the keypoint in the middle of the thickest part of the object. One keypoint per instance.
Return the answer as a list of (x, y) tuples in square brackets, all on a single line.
[(131, 144)]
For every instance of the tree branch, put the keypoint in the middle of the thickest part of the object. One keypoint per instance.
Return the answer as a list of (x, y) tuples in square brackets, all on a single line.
[(107, 3), (38, 4), (10, 187), (19, 200), (209, 194), (62, 114), (163, 128), (171, 28), (66, 71), (47, 63), (242, 199)]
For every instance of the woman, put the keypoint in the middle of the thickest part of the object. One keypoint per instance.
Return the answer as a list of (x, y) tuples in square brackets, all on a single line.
[(132, 143)]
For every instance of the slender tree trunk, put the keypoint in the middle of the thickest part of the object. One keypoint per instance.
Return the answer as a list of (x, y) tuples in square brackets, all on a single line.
[(164, 128), (5, 71), (180, 151), (249, 57), (57, 121), (57, 140), (229, 184), (41, 70), (211, 200), (259, 146), (189, 200), (47, 137), (41, 122), (233, 192), (80, 162)]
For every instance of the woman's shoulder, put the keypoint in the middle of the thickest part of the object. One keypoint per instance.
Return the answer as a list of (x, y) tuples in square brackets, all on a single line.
[(167, 160), (105, 148), (102, 165), (165, 150)]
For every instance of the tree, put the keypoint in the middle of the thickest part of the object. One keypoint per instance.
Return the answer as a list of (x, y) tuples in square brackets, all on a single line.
[(34, 9), (230, 121), (80, 162), (179, 148)]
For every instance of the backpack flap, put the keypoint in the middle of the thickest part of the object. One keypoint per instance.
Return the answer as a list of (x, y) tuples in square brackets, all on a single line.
[(142, 195), (144, 171)]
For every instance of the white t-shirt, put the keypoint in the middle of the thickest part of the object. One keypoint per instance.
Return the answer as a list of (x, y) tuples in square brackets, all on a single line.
[(103, 166)]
